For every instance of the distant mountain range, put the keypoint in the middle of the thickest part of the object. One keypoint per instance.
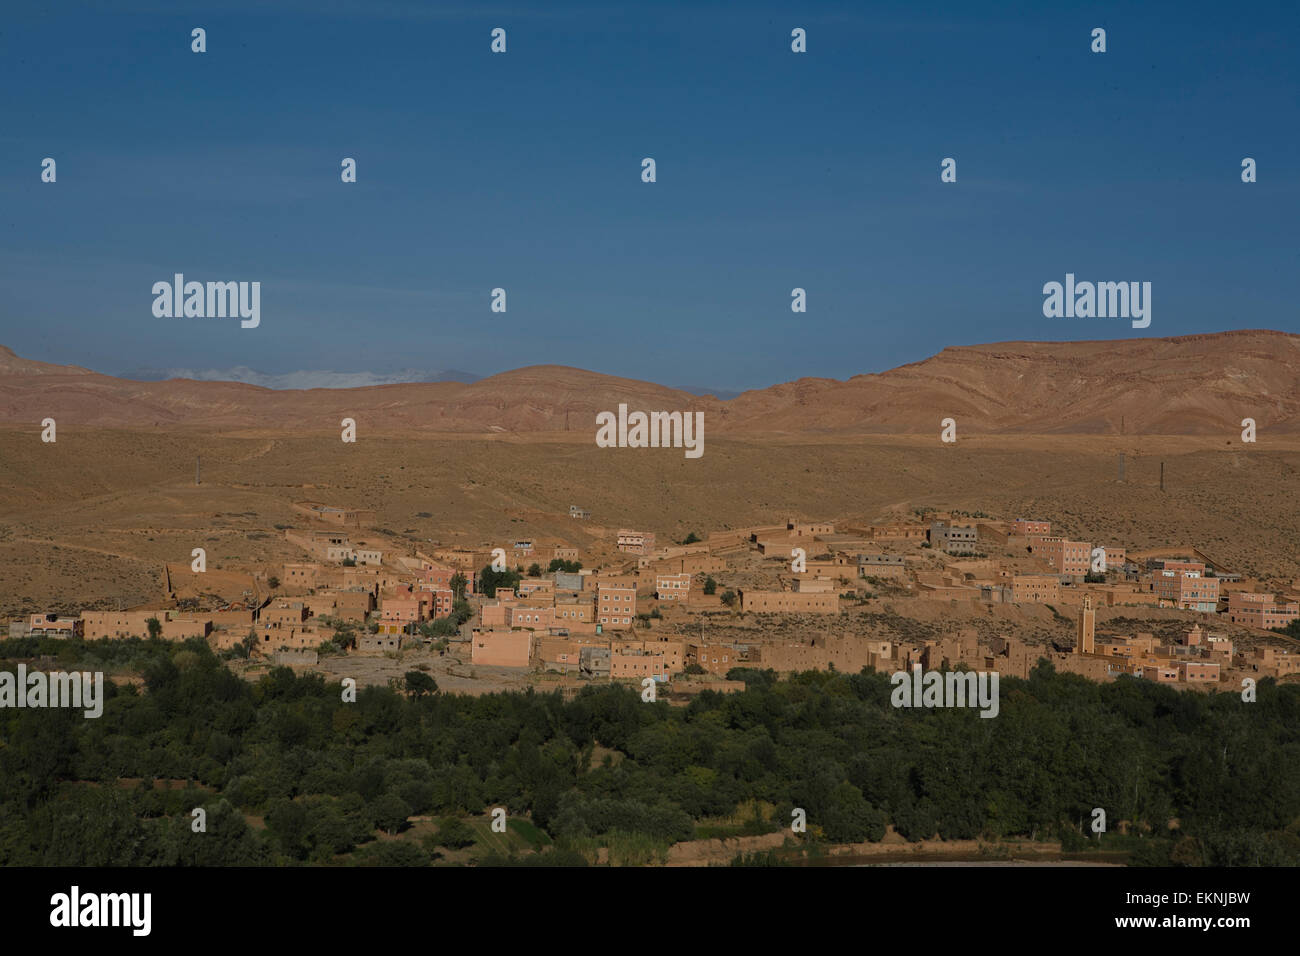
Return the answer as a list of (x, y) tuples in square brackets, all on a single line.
[(303, 379), (325, 379), (1192, 384)]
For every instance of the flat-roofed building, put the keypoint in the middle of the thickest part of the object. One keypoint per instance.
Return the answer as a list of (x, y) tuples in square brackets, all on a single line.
[(558, 654), (343, 517), (657, 659), (594, 660), (953, 539), (636, 542), (536, 586), (380, 643), (350, 604), (896, 532), (1188, 590), (570, 581), (1065, 556), (615, 604), (1035, 588), (714, 658), (672, 587), (440, 600), (98, 625), (1115, 557), (848, 654), (404, 607), (789, 602), (271, 639), (52, 625), (1024, 527), (284, 614), (1260, 610), (1199, 672), (301, 575), (811, 584), (330, 545), (501, 648), (1161, 673), (881, 560), (1273, 662), (576, 611), (532, 617), (808, 529)]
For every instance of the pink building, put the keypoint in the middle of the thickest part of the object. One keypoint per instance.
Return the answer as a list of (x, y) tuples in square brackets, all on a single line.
[(1188, 590), (672, 587), (1199, 672), (501, 648), (531, 616), (439, 600), (1066, 557), (1024, 527), (404, 606), (615, 605), (1260, 610), (636, 542), (1163, 673)]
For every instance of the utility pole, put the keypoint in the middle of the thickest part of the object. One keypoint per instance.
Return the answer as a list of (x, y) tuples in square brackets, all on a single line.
[(198, 464), (1162, 476)]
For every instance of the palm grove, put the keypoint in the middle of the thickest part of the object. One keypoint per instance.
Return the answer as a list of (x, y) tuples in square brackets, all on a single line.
[(327, 776)]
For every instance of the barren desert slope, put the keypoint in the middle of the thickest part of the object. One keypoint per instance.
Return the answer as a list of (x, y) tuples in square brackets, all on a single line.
[(93, 517), (1188, 385)]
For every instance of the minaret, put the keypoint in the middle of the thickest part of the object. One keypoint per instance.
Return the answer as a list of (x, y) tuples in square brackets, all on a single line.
[(1087, 627)]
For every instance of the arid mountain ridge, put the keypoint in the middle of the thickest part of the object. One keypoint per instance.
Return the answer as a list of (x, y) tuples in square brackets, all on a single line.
[(1191, 384)]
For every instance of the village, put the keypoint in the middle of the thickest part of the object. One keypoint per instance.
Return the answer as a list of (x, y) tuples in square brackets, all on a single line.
[(930, 589)]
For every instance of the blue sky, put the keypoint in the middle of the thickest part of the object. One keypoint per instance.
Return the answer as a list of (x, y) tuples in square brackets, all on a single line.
[(522, 170)]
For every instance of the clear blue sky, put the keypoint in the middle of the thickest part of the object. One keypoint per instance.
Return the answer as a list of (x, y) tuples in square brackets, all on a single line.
[(522, 170)]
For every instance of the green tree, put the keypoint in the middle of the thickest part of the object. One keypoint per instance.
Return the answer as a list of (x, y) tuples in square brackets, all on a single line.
[(287, 821), (710, 586), (458, 585), (534, 570), (393, 853), (729, 598), (461, 611), (418, 684), (454, 834), (390, 812), (155, 627), (490, 580)]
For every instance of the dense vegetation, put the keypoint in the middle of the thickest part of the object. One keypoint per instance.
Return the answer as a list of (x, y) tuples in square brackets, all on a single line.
[(606, 769)]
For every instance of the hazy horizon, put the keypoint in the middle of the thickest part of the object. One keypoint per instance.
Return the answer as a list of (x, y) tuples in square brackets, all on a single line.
[(302, 379)]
